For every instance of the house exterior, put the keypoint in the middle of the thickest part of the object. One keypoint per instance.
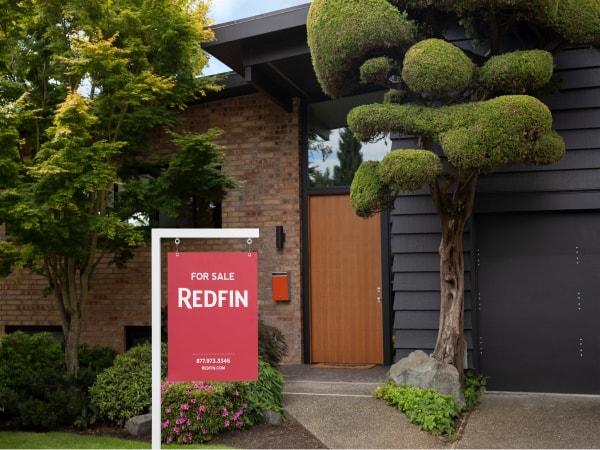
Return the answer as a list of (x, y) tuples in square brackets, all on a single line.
[(367, 291)]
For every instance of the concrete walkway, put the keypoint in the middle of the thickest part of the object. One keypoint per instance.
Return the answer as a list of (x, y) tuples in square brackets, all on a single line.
[(337, 407)]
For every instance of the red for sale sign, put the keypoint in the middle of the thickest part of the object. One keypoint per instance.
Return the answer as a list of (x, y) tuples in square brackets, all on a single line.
[(213, 316)]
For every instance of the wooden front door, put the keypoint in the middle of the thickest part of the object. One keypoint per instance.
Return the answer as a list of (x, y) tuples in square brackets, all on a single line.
[(345, 283)]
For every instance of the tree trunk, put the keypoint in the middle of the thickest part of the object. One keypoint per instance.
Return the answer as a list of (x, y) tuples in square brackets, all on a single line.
[(71, 291), (454, 214), (450, 344), (72, 333)]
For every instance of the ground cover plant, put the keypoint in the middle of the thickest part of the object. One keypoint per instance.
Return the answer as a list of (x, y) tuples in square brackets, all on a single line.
[(431, 411)]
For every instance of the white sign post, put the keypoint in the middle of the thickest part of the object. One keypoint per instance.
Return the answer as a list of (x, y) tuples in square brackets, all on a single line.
[(175, 233)]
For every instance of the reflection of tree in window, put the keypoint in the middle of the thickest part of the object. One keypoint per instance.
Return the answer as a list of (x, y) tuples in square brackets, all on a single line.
[(200, 213), (317, 145), (349, 156)]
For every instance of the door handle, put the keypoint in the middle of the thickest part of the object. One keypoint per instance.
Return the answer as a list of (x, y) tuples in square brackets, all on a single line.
[(379, 296)]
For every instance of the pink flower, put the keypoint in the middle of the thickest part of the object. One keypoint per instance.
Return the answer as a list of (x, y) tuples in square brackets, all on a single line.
[(184, 406), (225, 413), (226, 423)]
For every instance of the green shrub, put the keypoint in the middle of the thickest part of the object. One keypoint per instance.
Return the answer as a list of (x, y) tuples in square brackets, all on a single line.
[(266, 393), (272, 346), (31, 368), (125, 389), (96, 358), (431, 411), (27, 361), (34, 414), (35, 390), (474, 387)]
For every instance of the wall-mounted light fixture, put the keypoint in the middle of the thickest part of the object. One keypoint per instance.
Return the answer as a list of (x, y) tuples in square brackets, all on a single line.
[(279, 237)]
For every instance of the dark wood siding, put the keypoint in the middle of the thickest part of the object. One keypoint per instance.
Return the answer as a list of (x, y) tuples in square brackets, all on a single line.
[(415, 238), (574, 182), (571, 184)]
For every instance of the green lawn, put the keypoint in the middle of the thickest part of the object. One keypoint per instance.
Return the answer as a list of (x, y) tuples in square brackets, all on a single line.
[(10, 439)]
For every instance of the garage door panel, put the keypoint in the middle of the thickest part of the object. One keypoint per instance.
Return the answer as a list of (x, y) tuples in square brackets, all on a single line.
[(539, 301)]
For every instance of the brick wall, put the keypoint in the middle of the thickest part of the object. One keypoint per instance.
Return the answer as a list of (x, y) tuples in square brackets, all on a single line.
[(262, 147)]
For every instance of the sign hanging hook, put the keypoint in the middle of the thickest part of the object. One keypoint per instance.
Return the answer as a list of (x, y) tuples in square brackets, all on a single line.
[(249, 241), (177, 241)]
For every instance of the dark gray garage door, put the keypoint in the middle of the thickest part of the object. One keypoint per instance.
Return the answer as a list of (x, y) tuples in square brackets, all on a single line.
[(538, 279)]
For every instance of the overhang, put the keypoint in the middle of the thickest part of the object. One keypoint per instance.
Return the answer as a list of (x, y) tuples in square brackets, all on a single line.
[(269, 53)]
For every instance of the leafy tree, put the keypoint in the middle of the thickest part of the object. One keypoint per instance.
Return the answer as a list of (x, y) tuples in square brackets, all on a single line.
[(321, 179), (317, 145), (350, 158), (471, 110), (84, 88)]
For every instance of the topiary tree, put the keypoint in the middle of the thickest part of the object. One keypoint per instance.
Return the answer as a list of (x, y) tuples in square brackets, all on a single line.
[(471, 110)]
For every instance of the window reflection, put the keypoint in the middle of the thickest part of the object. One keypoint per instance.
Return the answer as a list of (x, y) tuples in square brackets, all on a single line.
[(334, 161)]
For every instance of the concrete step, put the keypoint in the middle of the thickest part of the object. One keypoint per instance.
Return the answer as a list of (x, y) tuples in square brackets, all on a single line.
[(332, 388)]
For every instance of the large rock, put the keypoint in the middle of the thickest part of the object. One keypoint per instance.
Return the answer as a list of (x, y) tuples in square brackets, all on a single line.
[(271, 417), (140, 425), (422, 371)]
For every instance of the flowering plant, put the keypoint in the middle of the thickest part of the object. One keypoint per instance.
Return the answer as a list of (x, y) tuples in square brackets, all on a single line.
[(197, 412)]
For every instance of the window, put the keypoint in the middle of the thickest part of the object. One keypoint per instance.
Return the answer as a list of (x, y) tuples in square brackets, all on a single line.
[(195, 212), (333, 162), (333, 153), (56, 330), (135, 335)]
